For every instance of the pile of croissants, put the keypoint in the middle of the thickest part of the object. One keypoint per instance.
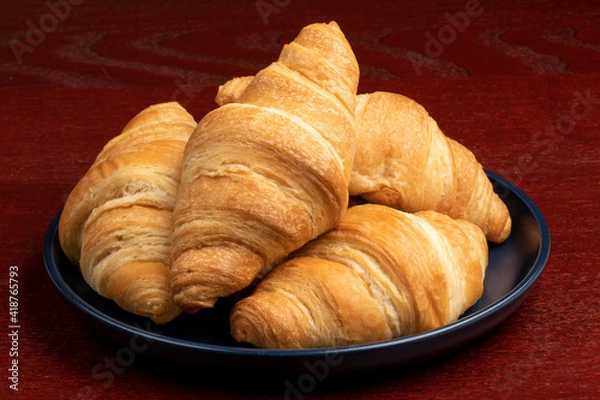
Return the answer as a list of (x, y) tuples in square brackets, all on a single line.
[(175, 214)]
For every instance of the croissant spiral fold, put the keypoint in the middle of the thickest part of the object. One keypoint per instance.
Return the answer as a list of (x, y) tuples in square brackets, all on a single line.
[(380, 274), (265, 174), (116, 222), (406, 162), (403, 160)]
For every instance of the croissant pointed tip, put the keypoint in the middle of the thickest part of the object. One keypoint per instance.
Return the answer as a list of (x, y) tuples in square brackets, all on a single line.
[(503, 234), (334, 25)]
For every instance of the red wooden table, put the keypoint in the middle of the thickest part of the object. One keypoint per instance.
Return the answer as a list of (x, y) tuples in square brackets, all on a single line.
[(516, 82)]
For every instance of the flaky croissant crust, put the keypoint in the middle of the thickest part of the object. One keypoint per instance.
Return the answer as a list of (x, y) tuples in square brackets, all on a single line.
[(265, 174), (406, 162), (403, 160), (116, 223), (380, 274)]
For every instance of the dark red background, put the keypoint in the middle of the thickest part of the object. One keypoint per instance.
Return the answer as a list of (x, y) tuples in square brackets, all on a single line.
[(508, 86)]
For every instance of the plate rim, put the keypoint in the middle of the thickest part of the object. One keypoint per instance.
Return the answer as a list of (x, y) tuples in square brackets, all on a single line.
[(507, 303)]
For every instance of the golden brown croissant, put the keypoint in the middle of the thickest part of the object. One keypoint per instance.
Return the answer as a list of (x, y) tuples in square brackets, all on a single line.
[(381, 274), (230, 91), (267, 173), (404, 160), (116, 223)]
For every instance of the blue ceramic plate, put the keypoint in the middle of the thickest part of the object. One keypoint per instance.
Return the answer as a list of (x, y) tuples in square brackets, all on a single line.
[(203, 340)]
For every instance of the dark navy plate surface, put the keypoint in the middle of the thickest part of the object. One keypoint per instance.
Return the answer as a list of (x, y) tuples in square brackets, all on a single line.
[(203, 340)]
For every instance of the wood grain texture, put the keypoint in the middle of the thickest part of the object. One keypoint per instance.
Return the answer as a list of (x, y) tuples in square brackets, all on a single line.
[(519, 86)]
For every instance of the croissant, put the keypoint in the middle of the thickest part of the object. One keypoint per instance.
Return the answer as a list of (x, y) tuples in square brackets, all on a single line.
[(405, 161), (381, 274), (116, 222), (267, 173)]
